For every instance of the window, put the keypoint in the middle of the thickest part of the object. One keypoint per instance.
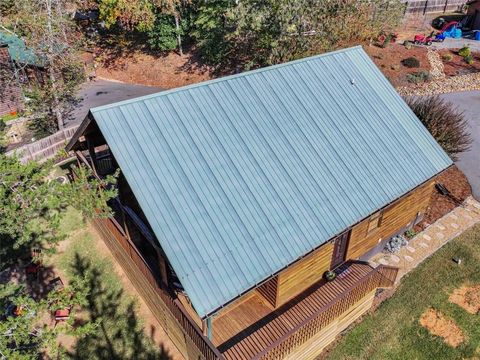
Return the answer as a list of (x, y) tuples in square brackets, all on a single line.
[(374, 222)]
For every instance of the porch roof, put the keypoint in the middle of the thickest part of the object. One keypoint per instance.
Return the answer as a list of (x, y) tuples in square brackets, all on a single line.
[(241, 176)]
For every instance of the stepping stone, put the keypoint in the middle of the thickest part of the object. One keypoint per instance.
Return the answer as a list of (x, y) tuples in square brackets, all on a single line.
[(423, 245), (409, 248), (476, 205), (441, 227), (395, 258), (383, 262), (408, 258), (468, 217), (453, 216), (454, 225), (426, 237)]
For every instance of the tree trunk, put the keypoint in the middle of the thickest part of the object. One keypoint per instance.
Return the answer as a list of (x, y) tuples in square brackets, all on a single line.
[(50, 64), (179, 38)]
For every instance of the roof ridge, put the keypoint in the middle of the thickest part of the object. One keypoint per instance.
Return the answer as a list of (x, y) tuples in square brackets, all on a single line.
[(223, 78)]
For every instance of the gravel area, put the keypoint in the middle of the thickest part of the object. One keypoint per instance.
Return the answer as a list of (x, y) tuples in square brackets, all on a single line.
[(436, 64), (459, 83)]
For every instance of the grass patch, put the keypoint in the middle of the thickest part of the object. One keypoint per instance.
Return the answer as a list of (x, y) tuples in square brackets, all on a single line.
[(118, 332), (394, 331), (72, 220)]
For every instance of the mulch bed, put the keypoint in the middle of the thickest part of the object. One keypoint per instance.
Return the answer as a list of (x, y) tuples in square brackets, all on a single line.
[(458, 66), (389, 61), (455, 181)]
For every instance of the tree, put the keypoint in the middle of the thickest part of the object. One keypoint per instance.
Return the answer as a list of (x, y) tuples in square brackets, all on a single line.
[(25, 331), (212, 25), (446, 123), (32, 203), (47, 29), (163, 35), (260, 33)]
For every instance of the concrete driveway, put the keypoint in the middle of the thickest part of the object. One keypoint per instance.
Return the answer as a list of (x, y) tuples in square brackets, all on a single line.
[(469, 161), (457, 44), (102, 92)]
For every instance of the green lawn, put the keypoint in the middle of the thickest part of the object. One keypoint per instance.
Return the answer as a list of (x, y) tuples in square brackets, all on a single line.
[(394, 332), (118, 331)]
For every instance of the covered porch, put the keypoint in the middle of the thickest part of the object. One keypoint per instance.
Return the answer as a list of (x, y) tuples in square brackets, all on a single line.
[(253, 329)]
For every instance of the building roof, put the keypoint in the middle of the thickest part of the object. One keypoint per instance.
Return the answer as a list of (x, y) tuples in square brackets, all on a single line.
[(18, 50), (241, 176)]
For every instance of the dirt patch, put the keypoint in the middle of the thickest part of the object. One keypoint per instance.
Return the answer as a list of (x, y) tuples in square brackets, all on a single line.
[(455, 181), (467, 297), (437, 324), (169, 71), (389, 60), (457, 65)]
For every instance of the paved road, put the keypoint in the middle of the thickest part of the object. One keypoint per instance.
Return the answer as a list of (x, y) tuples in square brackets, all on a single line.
[(469, 162), (102, 92), (457, 43)]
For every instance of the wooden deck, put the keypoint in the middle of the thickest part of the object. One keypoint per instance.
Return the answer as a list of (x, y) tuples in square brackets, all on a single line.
[(252, 326)]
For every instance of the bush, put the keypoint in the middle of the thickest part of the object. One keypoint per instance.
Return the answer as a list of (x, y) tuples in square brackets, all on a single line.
[(418, 77), (468, 59), (411, 62), (446, 123), (447, 57), (395, 244), (410, 233), (464, 51), (163, 35)]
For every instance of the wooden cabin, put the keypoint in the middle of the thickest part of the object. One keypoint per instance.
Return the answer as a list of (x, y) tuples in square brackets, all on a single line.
[(236, 195)]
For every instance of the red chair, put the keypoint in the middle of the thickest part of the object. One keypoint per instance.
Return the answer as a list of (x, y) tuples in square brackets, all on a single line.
[(62, 314)]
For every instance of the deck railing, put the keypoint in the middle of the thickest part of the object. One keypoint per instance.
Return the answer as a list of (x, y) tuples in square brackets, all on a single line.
[(110, 228), (382, 276)]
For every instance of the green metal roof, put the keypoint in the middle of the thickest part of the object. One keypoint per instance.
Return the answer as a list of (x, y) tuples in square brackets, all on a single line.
[(18, 50), (241, 176)]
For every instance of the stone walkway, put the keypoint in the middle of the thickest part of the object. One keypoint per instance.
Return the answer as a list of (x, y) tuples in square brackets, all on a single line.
[(432, 238)]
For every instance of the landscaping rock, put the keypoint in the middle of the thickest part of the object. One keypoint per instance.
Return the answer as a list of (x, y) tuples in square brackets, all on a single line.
[(441, 86), (436, 65)]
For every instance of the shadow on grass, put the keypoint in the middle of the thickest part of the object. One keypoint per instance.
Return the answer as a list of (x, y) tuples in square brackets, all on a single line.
[(118, 334)]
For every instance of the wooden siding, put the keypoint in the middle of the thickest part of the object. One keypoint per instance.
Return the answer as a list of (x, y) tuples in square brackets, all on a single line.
[(304, 274), (269, 291), (395, 217)]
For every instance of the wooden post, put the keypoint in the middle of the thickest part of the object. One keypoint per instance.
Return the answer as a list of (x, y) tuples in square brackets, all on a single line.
[(93, 156), (162, 264), (209, 328)]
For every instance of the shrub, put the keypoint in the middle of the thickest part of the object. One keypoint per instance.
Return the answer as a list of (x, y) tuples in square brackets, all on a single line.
[(418, 77), (464, 51), (395, 244), (411, 62), (163, 35), (447, 57), (468, 59), (410, 233), (446, 123)]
